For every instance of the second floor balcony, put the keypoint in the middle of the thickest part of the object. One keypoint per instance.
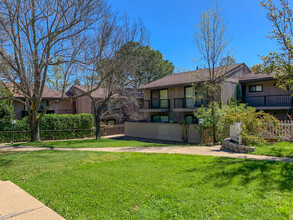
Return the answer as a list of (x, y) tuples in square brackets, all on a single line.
[(269, 100), (188, 103), (156, 104)]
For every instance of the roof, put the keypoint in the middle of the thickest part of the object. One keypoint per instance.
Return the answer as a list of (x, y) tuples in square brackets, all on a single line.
[(47, 92), (102, 92), (189, 77), (99, 93), (254, 77)]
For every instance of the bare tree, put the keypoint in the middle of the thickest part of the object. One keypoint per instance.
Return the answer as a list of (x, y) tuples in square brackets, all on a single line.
[(38, 35), (211, 40), (116, 31)]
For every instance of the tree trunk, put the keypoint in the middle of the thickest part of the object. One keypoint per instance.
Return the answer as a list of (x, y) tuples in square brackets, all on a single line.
[(98, 126), (213, 117), (35, 131)]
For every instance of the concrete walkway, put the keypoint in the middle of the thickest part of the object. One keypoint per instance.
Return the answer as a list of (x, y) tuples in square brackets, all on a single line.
[(211, 151), (16, 204)]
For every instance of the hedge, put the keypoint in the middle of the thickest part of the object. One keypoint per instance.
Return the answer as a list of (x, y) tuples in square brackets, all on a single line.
[(52, 122)]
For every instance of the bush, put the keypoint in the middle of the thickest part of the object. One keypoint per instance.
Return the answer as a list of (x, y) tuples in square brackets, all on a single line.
[(253, 123), (52, 122)]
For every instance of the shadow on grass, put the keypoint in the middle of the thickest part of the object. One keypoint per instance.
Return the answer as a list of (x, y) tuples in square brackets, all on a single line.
[(4, 162), (265, 174)]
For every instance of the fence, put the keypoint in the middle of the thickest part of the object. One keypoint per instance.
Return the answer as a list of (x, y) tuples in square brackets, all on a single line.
[(112, 130), (162, 131), (283, 131), (21, 136)]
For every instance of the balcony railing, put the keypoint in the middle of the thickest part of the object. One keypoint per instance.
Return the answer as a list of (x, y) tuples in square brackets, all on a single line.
[(156, 104), (269, 100), (25, 113), (188, 103)]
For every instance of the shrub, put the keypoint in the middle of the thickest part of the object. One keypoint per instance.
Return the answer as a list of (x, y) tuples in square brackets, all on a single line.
[(54, 122), (206, 114), (253, 123)]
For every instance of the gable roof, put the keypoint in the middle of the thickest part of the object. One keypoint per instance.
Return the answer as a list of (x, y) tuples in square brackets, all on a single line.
[(254, 77), (102, 92), (47, 92), (99, 93), (186, 78)]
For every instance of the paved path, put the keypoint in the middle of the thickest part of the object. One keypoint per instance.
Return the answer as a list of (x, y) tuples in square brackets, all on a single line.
[(16, 204), (212, 151)]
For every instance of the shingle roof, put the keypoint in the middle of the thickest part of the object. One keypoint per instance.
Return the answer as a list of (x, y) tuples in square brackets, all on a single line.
[(252, 77), (47, 92), (189, 77), (99, 93), (102, 92)]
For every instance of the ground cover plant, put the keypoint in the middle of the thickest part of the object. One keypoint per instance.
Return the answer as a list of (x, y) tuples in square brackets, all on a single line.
[(280, 149), (99, 185), (92, 143)]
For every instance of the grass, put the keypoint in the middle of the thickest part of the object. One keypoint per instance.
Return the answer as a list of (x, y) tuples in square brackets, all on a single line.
[(281, 149), (99, 185), (90, 143)]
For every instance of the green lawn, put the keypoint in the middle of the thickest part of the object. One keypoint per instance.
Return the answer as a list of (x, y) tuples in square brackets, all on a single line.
[(281, 149), (103, 142), (97, 185)]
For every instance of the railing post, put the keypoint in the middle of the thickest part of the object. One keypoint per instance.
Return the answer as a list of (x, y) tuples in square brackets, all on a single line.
[(265, 100)]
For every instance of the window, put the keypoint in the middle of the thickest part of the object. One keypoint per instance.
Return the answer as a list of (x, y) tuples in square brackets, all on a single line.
[(191, 119), (160, 94), (255, 88), (194, 97), (160, 118), (160, 98)]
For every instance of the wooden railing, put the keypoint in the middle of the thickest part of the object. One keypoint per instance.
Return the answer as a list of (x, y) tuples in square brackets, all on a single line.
[(269, 100), (112, 130), (188, 103), (156, 104)]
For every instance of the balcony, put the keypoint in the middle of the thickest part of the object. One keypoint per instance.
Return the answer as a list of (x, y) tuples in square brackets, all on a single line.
[(265, 102), (156, 105), (188, 103), (25, 113)]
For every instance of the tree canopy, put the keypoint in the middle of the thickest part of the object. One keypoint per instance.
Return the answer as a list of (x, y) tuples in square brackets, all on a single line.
[(146, 64), (279, 62)]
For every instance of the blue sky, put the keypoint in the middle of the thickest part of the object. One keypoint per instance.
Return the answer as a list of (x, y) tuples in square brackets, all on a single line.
[(172, 25)]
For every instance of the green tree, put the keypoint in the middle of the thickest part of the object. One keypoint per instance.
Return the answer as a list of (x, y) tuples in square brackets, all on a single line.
[(279, 62), (228, 60), (6, 109), (145, 64)]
